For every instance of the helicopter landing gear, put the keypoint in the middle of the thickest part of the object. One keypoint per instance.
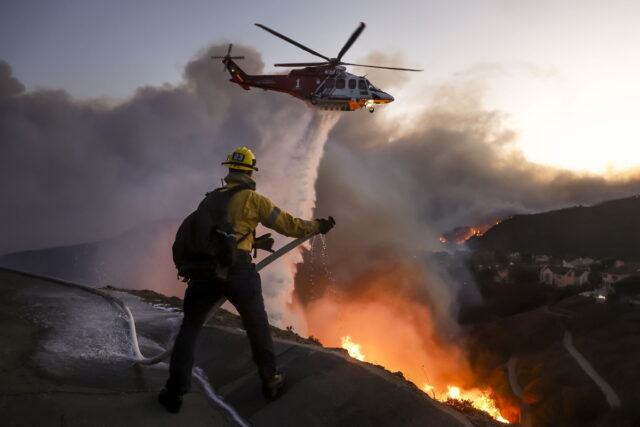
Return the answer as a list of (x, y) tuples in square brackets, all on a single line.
[(371, 110)]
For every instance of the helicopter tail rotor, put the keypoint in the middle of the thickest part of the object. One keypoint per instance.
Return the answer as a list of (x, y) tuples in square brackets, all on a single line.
[(228, 55)]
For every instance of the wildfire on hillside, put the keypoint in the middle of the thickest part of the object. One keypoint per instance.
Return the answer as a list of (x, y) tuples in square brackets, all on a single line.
[(352, 348), (460, 235), (388, 317), (479, 399)]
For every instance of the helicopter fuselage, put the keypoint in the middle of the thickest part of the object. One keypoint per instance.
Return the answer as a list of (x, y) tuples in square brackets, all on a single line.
[(324, 87)]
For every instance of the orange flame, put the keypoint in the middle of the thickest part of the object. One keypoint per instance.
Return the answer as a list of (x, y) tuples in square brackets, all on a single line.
[(399, 319), (352, 348), (462, 234), (479, 399)]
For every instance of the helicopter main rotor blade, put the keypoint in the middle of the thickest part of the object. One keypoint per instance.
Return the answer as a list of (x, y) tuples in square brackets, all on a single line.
[(293, 42), (301, 64), (352, 39), (384, 68), (229, 50)]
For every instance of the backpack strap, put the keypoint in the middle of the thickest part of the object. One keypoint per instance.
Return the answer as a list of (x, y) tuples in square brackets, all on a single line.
[(229, 193)]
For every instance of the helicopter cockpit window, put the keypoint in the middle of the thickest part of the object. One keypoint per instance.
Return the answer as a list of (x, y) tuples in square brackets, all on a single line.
[(352, 83), (330, 83), (362, 85), (340, 83), (371, 87)]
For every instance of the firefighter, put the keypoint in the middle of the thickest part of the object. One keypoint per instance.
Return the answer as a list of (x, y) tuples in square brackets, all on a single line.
[(242, 286)]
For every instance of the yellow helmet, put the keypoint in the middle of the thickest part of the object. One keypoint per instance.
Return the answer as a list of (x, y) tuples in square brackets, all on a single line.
[(241, 159)]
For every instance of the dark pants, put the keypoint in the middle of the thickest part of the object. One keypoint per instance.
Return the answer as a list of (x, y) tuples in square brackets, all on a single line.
[(243, 289)]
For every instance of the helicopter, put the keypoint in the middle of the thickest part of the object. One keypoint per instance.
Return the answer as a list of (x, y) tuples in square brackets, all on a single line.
[(324, 85)]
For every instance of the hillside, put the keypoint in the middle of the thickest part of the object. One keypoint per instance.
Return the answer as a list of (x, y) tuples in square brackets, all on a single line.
[(608, 229), (554, 388), (67, 356), (124, 259)]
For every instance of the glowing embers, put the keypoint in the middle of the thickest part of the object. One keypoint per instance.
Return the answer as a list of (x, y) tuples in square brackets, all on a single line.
[(352, 348)]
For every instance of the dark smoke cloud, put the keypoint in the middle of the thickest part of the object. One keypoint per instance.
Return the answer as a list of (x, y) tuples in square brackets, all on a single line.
[(386, 80), (9, 85), (456, 165), (72, 171)]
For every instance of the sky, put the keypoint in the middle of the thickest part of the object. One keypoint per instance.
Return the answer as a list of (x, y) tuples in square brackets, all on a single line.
[(562, 72)]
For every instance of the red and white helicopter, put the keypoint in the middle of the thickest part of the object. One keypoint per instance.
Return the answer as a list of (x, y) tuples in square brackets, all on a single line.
[(324, 85)]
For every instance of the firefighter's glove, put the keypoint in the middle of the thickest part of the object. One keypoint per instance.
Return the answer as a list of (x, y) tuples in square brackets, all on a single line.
[(326, 224), (264, 242)]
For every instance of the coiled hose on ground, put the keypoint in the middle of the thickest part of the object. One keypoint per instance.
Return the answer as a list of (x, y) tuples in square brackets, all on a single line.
[(139, 358)]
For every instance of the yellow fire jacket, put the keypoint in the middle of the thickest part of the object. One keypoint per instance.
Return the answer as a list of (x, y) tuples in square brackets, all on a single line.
[(247, 208)]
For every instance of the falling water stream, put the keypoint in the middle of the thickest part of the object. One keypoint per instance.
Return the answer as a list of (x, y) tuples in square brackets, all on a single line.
[(288, 177)]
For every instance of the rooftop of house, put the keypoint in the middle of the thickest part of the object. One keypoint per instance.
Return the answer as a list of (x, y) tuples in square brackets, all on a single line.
[(629, 268)]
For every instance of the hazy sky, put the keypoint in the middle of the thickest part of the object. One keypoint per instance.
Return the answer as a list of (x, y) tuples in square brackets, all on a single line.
[(563, 72)]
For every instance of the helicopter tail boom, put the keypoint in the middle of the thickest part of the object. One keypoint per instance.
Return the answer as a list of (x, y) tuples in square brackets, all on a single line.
[(237, 74)]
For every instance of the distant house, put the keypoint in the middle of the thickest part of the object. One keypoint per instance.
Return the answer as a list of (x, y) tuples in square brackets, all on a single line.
[(579, 263), (563, 276), (514, 257), (582, 277), (619, 271), (542, 259)]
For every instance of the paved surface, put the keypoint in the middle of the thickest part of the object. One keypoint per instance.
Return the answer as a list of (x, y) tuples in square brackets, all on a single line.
[(65, 359), (525, 411), (609, 393), (324, 388), (612, 397)]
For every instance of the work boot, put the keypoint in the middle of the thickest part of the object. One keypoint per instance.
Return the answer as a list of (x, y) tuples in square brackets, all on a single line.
[(274, 387), (171, 402)]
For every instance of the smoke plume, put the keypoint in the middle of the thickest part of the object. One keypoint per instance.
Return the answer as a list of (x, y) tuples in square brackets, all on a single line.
[(76, 171), (394, 187), (83, 170), (456, 165)]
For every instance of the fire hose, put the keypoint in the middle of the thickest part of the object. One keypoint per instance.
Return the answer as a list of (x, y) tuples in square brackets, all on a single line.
[(139, 357)]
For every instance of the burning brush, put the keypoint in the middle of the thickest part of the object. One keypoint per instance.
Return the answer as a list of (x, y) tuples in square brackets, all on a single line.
[(453, 395)]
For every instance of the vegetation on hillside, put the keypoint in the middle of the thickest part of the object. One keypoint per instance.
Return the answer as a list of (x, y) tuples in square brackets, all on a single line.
[(608, 229), (556, 389)]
